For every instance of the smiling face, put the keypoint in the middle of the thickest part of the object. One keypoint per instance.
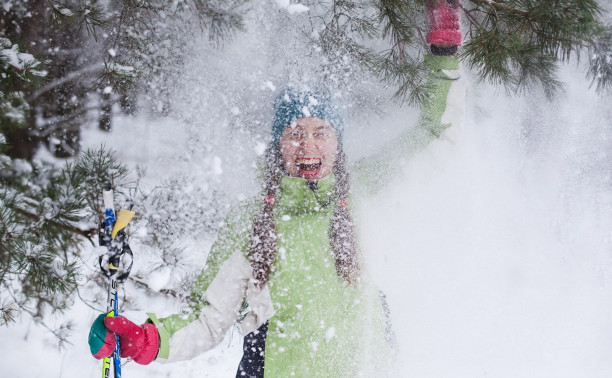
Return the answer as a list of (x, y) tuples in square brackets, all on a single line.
[(308, 148)]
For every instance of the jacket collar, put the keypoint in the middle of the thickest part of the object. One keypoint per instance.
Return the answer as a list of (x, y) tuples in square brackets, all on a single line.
[(296, 197)]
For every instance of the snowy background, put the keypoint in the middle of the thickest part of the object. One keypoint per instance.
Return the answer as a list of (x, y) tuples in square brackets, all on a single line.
[(495, 250)]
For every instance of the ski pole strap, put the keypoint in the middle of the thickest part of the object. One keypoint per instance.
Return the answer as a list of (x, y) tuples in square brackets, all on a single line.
[(109, 263)]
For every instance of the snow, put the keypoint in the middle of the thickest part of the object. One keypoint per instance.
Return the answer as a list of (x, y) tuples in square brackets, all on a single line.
[(12, 56), (121, 68), (297, 8), (268, 84), (159, 279), (282, 3), (330, 333), (217, 166), (21, 166), (66, 12), (504, 267), (292, 8), (260, 148), (493, 251), (21, 61)]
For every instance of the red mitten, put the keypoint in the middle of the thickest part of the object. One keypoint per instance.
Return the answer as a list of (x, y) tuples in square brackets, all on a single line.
[(444, 27), (140, 343)]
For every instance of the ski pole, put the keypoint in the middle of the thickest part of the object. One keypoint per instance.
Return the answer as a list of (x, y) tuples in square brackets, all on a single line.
[(113, 266), (114, 240)]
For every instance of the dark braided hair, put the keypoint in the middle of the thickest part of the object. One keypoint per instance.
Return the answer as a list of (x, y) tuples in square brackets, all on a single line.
[(342, 229), (262, 243)]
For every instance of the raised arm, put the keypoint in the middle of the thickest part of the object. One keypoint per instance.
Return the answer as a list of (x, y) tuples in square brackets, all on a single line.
[(443, 109)]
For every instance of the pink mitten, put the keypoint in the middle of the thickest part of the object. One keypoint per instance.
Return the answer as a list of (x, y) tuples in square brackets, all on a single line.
[(140, 343), (444, 27)]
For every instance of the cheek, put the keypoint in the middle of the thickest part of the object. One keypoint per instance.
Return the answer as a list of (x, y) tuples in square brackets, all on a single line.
[(330, 157), (288, 154), (330, 151)]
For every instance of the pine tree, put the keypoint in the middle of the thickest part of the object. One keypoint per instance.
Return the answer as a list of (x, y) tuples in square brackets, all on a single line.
[(60, 38), (518, 44), (100, 52), (18, 70), (145, 46), (47, 212)]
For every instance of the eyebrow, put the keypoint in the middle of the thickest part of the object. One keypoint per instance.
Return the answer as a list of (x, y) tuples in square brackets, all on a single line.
[(301, 128)]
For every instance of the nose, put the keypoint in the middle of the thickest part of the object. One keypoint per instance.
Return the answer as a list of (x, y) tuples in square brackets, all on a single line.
[(308, 143)]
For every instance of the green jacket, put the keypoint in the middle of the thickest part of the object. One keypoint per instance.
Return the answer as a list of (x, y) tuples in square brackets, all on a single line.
[(318, 325)]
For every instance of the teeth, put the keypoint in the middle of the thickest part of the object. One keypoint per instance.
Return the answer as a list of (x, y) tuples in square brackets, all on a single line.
[(308, 161), (308, 164)]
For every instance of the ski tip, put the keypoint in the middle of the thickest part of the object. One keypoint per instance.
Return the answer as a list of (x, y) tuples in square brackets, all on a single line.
[(107, 186)]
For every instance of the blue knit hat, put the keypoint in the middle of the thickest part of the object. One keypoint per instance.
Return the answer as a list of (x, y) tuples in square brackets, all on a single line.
[(294, 103)]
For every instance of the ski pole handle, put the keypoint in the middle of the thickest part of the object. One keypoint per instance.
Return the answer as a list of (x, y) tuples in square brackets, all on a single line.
[(109, 210)]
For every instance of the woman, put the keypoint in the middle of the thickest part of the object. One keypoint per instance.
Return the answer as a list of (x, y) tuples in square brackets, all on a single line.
[(287, 265)]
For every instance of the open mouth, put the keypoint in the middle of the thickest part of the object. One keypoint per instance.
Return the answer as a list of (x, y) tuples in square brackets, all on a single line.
[(308, 167)]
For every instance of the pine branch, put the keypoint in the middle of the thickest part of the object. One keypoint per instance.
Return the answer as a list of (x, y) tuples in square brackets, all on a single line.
[(74, 75), (40, 242), (141, 283), (501, 6), (600, 60), (519, 43), (61, 333), (90, 16), (87, 233)]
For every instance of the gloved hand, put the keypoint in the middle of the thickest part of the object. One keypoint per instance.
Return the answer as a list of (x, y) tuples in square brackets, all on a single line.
[(140, 343), (444, 27)]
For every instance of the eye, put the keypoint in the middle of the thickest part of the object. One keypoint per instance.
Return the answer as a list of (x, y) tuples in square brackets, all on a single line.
[(295, 134), (322, 134)]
